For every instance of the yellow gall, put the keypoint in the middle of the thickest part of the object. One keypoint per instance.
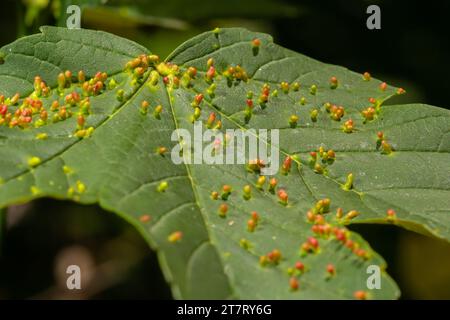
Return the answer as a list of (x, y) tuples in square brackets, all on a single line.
[(34, 161), (175, 236)]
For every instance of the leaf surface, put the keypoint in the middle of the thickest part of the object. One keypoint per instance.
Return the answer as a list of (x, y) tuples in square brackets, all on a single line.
[(202, 254)]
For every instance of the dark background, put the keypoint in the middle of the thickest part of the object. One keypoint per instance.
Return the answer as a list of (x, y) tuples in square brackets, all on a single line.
[(411, 50)]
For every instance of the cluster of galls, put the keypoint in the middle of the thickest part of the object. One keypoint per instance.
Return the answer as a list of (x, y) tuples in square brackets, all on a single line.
[(77, 190), (157, 110), (253, 221), (223, 207), (295, 86), (294, 273), (371, 112), (91, 87), (320, 228), (173, 77), (226, 192), (336, 112), (262, 101), (33, 112), (383, 144), (236, 73), (321, 159), (264, 96), (22, 117), (285, 87), (299, 269), (150, 66), (140, 65), (325, 230), (212, 122), (247, 195), (273, 258), (255, 166)]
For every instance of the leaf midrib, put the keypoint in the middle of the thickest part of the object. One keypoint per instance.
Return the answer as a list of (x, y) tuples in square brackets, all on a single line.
[(196, 196)]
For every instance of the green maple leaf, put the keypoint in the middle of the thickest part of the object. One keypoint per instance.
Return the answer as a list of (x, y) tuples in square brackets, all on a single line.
[(105, 145)]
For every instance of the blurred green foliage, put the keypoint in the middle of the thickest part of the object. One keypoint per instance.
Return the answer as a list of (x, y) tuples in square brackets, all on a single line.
[(411, 51)]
